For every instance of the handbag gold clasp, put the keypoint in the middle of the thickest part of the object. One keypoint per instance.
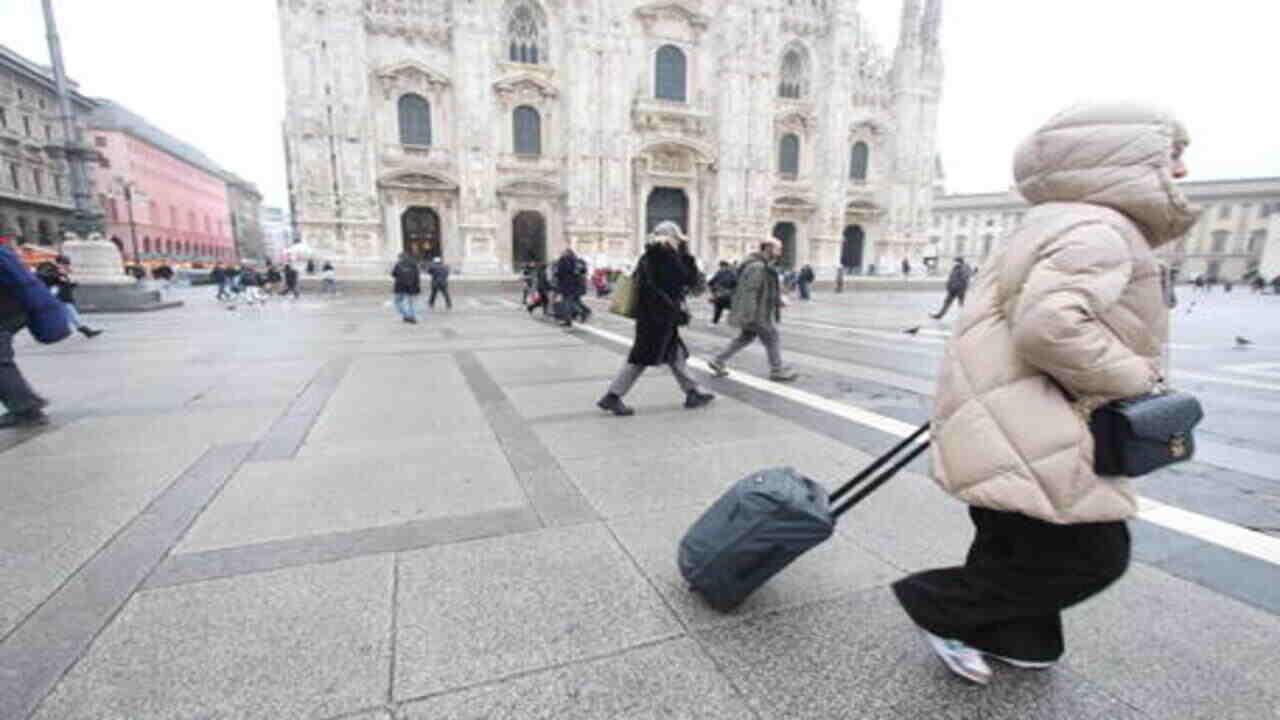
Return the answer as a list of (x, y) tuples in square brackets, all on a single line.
[(1178, 446)]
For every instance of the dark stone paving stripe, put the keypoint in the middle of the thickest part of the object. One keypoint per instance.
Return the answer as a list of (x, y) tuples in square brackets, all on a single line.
[(276, 555), (288, 433), (550, 491), (36, 655)]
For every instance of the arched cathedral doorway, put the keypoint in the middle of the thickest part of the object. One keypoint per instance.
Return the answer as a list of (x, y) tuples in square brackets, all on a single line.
[(851, 250), (667, 203), (528, 239), (786, 232), (420, 229)]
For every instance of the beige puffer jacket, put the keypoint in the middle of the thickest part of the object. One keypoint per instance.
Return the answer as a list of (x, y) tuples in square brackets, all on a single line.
[(1073, 304)]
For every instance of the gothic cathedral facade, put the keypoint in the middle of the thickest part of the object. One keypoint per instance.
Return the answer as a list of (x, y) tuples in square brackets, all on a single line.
[(492, 132)]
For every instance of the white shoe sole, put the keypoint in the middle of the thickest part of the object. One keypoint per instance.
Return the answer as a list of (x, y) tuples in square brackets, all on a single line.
[(954, 665), (1022, 664)]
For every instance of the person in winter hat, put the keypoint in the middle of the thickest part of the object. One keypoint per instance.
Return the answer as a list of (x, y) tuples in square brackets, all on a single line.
[(1069, 314)]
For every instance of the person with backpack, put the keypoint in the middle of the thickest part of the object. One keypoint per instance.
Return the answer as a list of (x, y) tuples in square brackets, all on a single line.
[(408, 285), (721, 286), (805, 280), (1070, 315), (57, 276), (439, 273), (756, 307), (664, 277), (23, 407), (571, 282)]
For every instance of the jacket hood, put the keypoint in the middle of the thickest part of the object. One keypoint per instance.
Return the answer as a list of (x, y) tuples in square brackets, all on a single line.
[(1118, 155)]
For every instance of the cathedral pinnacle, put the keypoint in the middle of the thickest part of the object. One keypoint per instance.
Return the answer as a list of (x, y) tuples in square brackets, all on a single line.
[(931, 25), (909, 28)]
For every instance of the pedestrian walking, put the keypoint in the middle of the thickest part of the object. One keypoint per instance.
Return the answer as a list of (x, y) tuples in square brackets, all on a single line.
[(721, 285), (805, 280), (528, 273), (407, 287), (271, 279), (291, 282), (22, 406), (542, 291), (957, 287), (328, 280), (571, 283), (439, 273), (664, 277), (251, 285), (906, 268), (1072, 315), (57, 277), (756, 308), (218, 276)]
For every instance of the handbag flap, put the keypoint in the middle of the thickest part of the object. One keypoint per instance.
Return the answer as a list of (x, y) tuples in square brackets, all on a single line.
[(1160, 417)]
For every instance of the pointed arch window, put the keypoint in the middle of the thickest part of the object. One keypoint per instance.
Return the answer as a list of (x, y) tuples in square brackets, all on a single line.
[(527, 125), (789, 155), (415, 120), (526, 33), (793, 80), (858, 160), (670, 69)]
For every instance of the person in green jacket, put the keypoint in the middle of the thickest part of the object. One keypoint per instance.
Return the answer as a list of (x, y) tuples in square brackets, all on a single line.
[(757, 305)]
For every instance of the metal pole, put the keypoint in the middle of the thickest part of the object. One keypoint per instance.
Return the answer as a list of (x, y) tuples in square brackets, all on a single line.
[(75, 154), (133, 235)]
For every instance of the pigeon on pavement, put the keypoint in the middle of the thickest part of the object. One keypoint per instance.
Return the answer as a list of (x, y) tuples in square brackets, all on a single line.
[(1243, 341), (911, 331)]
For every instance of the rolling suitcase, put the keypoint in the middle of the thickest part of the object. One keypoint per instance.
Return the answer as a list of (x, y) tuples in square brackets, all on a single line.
[(770, 518)]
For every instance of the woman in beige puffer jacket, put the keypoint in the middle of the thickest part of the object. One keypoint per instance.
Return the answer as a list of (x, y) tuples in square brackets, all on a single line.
[(1069, 314)]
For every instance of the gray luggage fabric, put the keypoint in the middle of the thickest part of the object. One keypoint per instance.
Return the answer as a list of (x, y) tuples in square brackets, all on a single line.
[(770, 518), (763, 522)]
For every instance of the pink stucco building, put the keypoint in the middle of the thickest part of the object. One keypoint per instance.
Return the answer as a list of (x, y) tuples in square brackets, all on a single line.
[(181, 212)]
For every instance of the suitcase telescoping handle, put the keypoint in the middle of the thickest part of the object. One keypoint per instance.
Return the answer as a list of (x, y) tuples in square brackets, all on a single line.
[(839, 509)]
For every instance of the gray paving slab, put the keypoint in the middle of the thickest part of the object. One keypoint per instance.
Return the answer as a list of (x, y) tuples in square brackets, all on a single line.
[(835, 567), (860, 656), (565, 364), (123, 434), (268, 501), (37, 653), (911, 524), (308, 642), (1178, 650), (669, 680), (548, 400), (481, 611), (56, 512), (644, 484), (186, 568)]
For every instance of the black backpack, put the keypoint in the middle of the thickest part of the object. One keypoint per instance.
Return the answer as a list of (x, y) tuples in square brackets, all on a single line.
[(405, 275)]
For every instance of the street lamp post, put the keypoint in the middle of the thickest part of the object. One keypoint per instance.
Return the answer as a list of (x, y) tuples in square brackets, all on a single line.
[(133, 233)]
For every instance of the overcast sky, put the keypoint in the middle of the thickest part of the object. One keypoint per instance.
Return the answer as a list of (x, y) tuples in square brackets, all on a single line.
[(210, 73)]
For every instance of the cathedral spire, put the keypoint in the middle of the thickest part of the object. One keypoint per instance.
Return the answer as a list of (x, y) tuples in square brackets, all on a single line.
[(909, 27), (931, 25)]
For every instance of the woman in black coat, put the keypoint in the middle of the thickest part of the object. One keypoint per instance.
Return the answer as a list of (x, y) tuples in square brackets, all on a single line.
[(664, 276)]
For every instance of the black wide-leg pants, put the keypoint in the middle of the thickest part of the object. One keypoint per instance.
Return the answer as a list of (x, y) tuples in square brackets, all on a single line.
[(1020, 574)]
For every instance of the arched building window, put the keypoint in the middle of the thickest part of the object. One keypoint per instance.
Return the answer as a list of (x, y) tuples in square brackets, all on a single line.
[(859, 158), (526, 33), (527, 125), (415, 120), (669, 74), (793, 80), (789, 154)]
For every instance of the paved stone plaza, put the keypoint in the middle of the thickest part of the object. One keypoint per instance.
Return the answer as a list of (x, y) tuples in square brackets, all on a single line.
[(311, 510)]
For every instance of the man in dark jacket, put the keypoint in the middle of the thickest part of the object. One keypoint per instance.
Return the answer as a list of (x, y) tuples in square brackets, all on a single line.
[(664, 276), (721, 286), (957, 286), (251, 281), (757, 304), (571, 283), (542, 284), (805, 280), (218, 276), (408, 285), (439, 273), (23, 407), (291, 281)]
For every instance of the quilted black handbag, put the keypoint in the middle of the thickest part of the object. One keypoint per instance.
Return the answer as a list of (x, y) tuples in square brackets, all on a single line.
[(1136, 436)]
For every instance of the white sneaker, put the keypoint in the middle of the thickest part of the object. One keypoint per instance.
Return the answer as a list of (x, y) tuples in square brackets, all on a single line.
[(1023, 664), (960, 658)]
